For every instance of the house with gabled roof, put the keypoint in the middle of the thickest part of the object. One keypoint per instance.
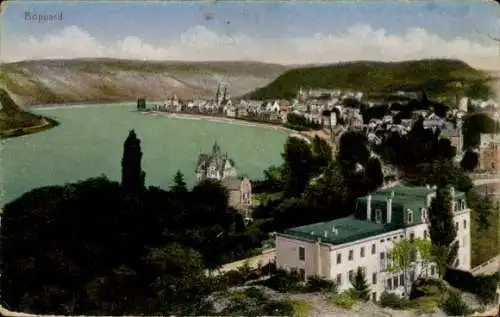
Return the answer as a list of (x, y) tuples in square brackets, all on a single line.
[(335, 249)]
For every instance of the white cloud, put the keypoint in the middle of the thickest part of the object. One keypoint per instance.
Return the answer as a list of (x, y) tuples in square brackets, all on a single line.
[(361, 42)]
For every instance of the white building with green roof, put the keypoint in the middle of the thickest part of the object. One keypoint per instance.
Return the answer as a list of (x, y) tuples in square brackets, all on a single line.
[(335, 249)]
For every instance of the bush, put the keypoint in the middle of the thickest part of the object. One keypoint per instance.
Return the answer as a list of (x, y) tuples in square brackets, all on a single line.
[(344, 300), (483, 286), (392, 300), (318, 284), (427, 287), (283, 281), (454, 305), (278, 309), (255, 293), (301, 308)]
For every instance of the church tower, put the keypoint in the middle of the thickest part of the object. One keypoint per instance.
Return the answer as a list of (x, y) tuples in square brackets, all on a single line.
[(217, 94)]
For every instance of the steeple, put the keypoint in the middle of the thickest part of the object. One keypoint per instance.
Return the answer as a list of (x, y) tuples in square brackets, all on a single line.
[(217, 94), (225, 93), (215, 149)]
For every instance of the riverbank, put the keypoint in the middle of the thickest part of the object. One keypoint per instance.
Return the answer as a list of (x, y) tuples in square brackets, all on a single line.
[(45, 124)]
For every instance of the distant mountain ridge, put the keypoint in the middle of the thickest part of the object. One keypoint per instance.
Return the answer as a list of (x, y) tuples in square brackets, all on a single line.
[(438, 77), (104, 79)]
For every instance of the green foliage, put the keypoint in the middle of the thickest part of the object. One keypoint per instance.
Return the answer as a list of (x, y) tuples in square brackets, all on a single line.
[(318, 284), (470, 161), (345, 299), (432, 75), (179, 185), (483, 286), (298, 158), (474, 125), (442, 230), (484, 227), (427, 287), (133, 177), (360, 285), (301, 308), (392, 300), (283, 281), (301, 123), (454, 305)]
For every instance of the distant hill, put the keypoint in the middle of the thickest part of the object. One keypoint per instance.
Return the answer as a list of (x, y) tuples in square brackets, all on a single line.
[(100, 80), (15, 121), (437, 77)]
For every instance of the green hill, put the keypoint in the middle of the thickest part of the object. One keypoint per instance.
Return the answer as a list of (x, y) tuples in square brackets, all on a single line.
[(438, 77), (14, 121)]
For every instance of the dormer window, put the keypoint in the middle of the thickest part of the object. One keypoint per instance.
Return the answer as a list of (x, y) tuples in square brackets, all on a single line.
[(462, 205), (423, 214), (409, 216), (378, 216)]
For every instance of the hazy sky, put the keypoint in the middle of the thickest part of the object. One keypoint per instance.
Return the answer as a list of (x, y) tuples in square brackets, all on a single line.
[(282, 32)]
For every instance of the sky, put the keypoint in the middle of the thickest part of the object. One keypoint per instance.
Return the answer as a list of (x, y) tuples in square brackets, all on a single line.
[(286, 32)]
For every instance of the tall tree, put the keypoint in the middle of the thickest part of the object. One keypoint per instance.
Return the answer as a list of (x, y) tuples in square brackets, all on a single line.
[(360, 285), (402, 259), (133, 177), (298, 158), (424, 248), (469, 161), (179, 186), (442, 230)]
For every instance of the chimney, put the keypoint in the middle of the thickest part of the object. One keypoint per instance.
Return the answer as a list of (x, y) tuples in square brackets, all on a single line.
[(333, 229), (428, 186), (326, 234), (452, 192), (389, 207), (369, 207)]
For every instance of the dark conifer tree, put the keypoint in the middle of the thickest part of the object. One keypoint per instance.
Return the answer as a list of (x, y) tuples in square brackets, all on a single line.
[(133, 177), (361, 285)]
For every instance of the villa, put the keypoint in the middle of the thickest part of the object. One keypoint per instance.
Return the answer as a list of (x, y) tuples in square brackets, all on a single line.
[(335, 249), (220, 167)]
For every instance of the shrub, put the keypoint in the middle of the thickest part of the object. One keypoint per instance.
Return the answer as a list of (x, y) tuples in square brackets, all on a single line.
[(318, 284), (483, 286), (392, 300), (454, 305), (427, 287), (344, 300), (255, 293), (301, 308), (282, 281), (277, 308)]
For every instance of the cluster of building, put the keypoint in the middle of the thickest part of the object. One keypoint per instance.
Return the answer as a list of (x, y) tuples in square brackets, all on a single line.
[(219, 166), (335, 249)]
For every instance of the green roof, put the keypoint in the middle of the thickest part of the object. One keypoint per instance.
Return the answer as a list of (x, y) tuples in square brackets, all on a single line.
[(347, 230), (350, 229)]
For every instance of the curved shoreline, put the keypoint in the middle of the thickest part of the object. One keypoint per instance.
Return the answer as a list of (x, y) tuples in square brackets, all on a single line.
[(46, 124)]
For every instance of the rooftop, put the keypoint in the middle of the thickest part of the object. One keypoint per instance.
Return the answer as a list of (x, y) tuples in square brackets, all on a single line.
[(340, 231)]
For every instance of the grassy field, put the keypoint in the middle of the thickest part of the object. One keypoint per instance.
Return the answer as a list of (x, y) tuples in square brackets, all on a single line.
[(440, 78)]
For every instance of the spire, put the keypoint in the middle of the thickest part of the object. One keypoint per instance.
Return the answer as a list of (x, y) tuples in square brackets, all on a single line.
[(225, 93), (217, 94), (215, 149)]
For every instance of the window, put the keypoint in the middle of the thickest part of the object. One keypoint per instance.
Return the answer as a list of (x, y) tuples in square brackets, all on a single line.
[(425, 234), (401, 236), (374, 249), (362, 252), (456, 226), (402, 280), (409, 216), (457, 262), (382, 261), (412, 276), (351, 275), (412, 237), (351, 255), (374, 296), (339, 258), (389, 283), (378, 215), (302, 254), (374, 278), (462, 204), (433, 270), (465, 224), (395, 281), (339, 280)]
